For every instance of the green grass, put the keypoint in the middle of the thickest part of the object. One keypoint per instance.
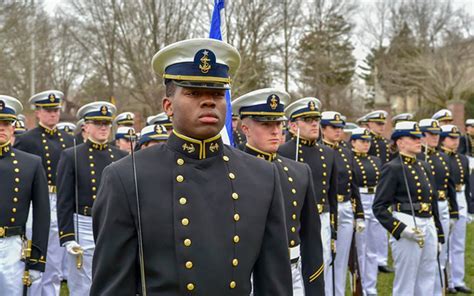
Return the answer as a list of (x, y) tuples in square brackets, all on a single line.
[(385, 281)]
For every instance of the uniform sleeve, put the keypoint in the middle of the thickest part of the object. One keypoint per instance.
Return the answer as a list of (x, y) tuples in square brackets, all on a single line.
[(463, 145), (332, 195), (272, 272), (469, 197), (41, 220), (384, 198), (66, 198), (115, 238), (453, 203), (311, 244), (355, 197)]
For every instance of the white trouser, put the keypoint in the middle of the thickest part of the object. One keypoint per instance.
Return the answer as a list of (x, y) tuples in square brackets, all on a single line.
[(415, 267), (366, 242), (457, 244), (443, 210), (296, 273), (50, 282), (80, 280), (382, 243), (11, 266), (345, 229), (326, 242)]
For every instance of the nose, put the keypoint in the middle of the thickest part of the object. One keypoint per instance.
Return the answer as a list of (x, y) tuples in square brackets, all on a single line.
[(207, 100)]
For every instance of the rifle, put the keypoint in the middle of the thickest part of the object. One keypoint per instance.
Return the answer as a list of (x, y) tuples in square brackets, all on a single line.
[(356, 282)]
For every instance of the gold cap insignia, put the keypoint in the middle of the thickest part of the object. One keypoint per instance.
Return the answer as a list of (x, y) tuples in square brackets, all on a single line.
[(204, 66), (337, 117), (52, 98), (158, 129), (273, 101), (129, 117), (103, 110), (312, 106)]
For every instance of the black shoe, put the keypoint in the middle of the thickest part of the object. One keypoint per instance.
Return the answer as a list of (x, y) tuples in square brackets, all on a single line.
[(451, 291), (463, 289), (385, 269)]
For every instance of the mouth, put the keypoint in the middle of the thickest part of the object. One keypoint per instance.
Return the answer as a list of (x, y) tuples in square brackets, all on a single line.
[(208, 118)]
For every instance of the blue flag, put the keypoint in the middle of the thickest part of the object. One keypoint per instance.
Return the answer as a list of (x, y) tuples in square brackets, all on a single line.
[(216, 33)]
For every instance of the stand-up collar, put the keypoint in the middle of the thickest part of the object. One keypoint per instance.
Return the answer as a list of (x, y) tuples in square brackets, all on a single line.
[(259, 153), (197, 149)]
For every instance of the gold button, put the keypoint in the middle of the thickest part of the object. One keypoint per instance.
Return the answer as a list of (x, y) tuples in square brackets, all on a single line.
[(236, 217), (92, 172), (189, 265), (49, 168), (225, 158), (295, 203), (232, 285), (292, 243), (17, 170), (179, 178), (324, 165), (16, 189), (15, 199), (93, 180), (190, 286), (235, 262), (46, 147), (17, 180), (92, 165), (235, 196), (94, 188), (183, 200), (47, 154), (285, 169), (293, 191), (293, 229), (94, 197), (232, 176), (91, 157), (185, 221), (44, 141), (12, 220), (14, 210), (48, 161), (236, 239), (15, 161), (290, 179), (325, 174), (180, 161), (187, 242), (293, 216)]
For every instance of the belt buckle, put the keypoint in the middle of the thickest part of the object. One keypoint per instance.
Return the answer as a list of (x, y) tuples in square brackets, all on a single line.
[(458, 187), (3, 230), (340, 198), (85, 210), (442, 194), (320, 208), (424, 207)]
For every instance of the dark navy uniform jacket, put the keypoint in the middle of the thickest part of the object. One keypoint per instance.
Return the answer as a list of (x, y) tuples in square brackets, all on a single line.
[(47, 144), (211, 215), (347, 189), (302, 218), (366, 170), (444, 179), (380, 148), (92, 158), (392, 192), (23, 182), (321, 160), (461, 175)]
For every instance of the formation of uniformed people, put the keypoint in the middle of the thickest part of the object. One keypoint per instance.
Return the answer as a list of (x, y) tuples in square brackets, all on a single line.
[(303, 198)]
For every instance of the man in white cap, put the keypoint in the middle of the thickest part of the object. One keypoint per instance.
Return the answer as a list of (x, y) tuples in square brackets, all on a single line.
[(380, 148), (23, 185), (304, 118), (262, 114), (401, 117), (79, 175), (123, 139), (161, 119), (366, 174), (48, 142), (204, 227), (449, 140), (443, 116), (350, 210), (125, 119), (67, 127), (406, 186), (152, 135), (444, 185)]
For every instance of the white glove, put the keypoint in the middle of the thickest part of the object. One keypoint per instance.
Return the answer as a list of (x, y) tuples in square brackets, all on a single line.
[(470, 218), (73, 248), (35, 275), (452, 222), (412, 234), (360, 225)]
